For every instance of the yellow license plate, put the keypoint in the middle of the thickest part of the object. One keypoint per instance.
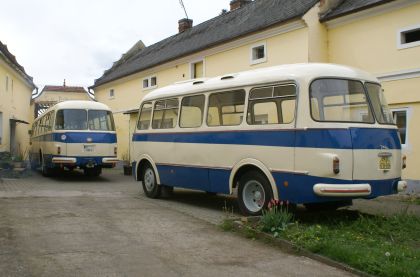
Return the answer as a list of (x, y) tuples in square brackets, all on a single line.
[(384, 163)]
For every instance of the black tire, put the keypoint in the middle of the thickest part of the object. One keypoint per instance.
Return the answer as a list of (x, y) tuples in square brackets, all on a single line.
[(254, 193), (149, 183), (327, 206), (92, 172), (45, 170)]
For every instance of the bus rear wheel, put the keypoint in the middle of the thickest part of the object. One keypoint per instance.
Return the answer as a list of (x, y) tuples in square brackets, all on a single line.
[(150, 186), (254, 193)]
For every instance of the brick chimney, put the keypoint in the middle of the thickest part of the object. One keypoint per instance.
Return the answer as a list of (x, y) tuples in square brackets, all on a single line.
[(184, 24), (236, 4)]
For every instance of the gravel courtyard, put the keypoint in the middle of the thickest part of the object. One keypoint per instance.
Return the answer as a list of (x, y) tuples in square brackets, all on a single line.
[(76, 226)]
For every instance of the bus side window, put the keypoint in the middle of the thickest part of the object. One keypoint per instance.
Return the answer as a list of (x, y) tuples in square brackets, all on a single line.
[(226, 108), (145, 115), (272, 105), (59, 120), (165, 114), (192, 109)]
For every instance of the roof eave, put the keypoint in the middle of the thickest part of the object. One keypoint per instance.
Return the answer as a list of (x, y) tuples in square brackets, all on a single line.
[(326, 18), (298, 17)]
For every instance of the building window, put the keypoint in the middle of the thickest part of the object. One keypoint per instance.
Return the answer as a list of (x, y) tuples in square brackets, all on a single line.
[(400, 119), (111, 93), (197, 69), (1, 127), (408, 37), (259, 53), (150, 82)]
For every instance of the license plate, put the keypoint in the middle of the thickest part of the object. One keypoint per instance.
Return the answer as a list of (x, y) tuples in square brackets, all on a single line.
[(384, 163), (89, 148)]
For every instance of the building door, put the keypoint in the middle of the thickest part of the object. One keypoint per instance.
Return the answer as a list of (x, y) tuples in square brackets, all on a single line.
[(13, 144)]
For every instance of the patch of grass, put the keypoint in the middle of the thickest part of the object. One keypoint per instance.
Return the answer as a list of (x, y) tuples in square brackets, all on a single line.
[(227, 225), (383, 246)]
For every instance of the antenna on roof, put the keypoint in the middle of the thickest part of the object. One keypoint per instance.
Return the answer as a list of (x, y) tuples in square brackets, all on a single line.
[(182, 5)]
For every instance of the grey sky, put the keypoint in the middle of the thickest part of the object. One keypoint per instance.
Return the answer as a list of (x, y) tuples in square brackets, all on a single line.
[(79, 39)]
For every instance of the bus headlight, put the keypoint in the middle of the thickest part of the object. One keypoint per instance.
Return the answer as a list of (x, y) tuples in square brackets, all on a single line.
[(404, 161)]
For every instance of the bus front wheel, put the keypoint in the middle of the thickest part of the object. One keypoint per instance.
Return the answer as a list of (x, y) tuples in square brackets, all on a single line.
[(150, 186), (254, 193)]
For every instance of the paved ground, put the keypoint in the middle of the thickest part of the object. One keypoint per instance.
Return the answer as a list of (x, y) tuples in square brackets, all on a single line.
[(73, 226)]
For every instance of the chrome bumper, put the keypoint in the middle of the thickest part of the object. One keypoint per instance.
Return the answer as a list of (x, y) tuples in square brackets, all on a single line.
[(110, 160), (63, 160), (340, 190)]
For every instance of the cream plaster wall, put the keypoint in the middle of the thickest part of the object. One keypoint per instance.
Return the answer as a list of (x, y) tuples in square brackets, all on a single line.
[(14, 103)]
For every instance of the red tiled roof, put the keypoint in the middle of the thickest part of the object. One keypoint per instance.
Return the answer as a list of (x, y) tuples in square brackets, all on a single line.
[(64, 89)]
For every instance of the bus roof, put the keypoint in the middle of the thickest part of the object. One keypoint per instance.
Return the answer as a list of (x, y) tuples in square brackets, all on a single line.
[(76, 104), (290, 72)]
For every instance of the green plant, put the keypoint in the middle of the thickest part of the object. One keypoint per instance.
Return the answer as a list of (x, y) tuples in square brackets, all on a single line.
[(22, 155), (276, 218)]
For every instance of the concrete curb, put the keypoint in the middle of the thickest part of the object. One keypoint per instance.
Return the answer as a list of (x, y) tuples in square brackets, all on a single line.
[(291, 248)]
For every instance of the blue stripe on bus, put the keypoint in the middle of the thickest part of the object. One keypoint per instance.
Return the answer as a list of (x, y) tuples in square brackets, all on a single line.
[(359, 138), (299, 189), (78, 137)]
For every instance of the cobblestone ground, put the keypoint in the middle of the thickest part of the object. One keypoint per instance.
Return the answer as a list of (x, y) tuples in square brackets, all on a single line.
[(74, 226)]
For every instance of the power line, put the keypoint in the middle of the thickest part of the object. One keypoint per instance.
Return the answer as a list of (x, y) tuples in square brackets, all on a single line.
[(182, 5)]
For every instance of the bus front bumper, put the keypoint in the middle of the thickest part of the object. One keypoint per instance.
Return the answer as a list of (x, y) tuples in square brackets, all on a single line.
[(110, 160)]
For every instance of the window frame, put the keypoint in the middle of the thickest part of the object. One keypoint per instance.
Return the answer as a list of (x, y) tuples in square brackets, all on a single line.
[(149, 82), (151, 115), (407, 111), (207, 108), (400, 33), (273, 99), (164, 109), (203, 112), (111, 93), (192, 71), (253, 61), (341, 122)]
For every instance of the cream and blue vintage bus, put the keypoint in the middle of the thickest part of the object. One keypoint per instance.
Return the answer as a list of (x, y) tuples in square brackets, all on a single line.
[(313, 134), (74, 134)]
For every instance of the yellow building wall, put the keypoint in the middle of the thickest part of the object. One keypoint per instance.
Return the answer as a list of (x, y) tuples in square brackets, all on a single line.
[(371, 44), (14, 103), (291, 47)]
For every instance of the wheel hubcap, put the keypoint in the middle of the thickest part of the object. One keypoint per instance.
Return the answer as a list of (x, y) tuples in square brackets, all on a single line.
[(253, 196), (149, 179)]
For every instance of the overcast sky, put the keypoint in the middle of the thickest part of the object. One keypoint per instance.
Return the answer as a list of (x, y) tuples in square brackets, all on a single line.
[(79, 39)]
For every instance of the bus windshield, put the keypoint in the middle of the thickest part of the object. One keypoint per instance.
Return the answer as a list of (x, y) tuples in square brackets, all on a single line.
[(78, 119)]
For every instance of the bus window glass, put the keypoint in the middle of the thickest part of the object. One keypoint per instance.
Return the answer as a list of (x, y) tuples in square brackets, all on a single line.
[(288, 110), (100, 120), (145, 115), (380, 107), (226, 108), (192, 109), (275, 108), (165, 114), (71, 119), (339, 100)]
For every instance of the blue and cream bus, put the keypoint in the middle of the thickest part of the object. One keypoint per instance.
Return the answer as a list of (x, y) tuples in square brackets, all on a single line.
[(312, 134), (74, 134)]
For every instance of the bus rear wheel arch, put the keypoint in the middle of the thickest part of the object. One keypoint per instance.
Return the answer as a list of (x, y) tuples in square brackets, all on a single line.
[(254, 192), (147, 175)]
